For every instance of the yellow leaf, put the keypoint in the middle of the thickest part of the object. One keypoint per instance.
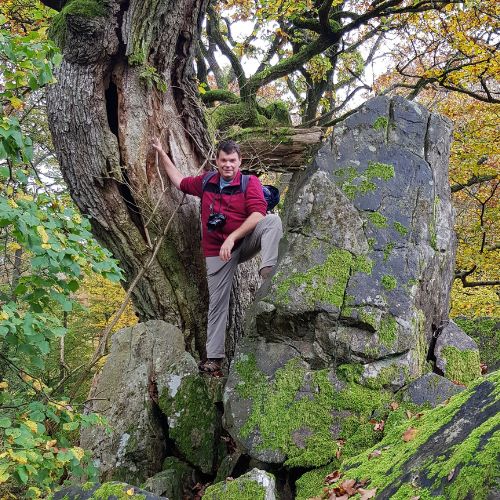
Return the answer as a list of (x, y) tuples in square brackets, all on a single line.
[(3, 477), (130, 492), (46, 245), (4, 315), (16, 102), (13, 246), (32, 426), (43, 234), (78, 452)]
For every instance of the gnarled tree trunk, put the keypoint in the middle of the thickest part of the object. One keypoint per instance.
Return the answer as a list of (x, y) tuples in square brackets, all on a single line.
[(104, 109)]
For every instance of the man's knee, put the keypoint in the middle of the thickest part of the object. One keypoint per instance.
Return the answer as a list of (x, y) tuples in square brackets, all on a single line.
[(272, 220)]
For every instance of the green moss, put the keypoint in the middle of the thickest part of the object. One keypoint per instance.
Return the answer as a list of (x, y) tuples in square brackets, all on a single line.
[(474, 460), (192, 416), (350, 372), (278, 412), (236, 490), (389, 282), (384, 379), (117, 491), (461, 366), (387, 331), (377, 219), (381, 123), (311, 483), (362, 264), (222, 95), (388, 250), (224, 116), (272, 135), (377, 170), (277, 112), (371, 243), (83, 8), (323, 283), (400, 228), (368, 317), (88, 485)]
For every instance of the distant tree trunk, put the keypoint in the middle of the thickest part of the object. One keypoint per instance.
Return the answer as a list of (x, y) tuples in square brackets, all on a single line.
[(105, 108)]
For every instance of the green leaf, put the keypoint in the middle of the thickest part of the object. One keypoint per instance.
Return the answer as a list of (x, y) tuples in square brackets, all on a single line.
[(5, 422), (22, 474)]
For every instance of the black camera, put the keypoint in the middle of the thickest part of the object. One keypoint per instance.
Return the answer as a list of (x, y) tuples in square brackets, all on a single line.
[(215, 221)]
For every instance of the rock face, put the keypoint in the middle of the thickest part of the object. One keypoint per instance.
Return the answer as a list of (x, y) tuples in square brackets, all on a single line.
[(450, 452), (148, 364), (457, 355), (430, 389), (365, 266), (254, 485)]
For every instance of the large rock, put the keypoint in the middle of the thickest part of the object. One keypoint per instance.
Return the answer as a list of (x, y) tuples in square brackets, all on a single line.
[(363, 279), (107, 491), (254, 485), (366, 263), (174, 481), (457, 355), (281, 411), (430, 389), (148, 364), (447, 452)]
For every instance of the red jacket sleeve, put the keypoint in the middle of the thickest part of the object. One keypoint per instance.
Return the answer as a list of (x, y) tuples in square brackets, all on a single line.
[(192, 185), (255, 201)]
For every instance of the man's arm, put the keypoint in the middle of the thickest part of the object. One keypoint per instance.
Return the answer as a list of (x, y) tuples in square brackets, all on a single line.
[(173, 174), (247, 227)]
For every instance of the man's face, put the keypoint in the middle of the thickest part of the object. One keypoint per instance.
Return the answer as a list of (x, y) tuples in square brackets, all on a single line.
[(228, 165)]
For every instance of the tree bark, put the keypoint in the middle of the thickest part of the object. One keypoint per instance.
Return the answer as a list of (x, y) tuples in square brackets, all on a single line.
[(103, 112)]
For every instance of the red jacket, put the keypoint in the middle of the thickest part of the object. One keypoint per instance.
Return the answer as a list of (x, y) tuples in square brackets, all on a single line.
[(234, 204)]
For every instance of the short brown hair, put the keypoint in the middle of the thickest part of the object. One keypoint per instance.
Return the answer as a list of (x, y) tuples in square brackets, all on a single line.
[(228, 146)]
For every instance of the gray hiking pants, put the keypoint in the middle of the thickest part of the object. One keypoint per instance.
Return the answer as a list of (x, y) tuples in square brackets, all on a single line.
[(264, 237)]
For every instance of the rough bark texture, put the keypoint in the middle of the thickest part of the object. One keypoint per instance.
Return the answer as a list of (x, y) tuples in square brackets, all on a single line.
[(103, 112)]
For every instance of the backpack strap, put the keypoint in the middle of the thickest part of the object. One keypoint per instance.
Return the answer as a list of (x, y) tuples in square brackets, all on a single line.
[(207, 177), (244, 182)]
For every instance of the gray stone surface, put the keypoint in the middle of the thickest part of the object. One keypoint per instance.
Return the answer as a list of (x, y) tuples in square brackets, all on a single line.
[(146, 362), (365, 265), (228, 490), (430, 389), (173, 482)]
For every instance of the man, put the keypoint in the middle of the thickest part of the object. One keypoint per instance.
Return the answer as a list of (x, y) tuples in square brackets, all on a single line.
[(234, 228)]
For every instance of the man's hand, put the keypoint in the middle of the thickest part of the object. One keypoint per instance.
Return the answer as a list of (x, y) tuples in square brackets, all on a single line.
[(225, 249), (157, 145), (174, 175)]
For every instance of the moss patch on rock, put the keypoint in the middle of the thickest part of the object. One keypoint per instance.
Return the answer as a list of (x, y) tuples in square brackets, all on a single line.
[(300, 424), (117, 491), (389, 282), (191, 420), (441, 458), (246, 487), (461, 366), (387, 331), (325, 283), (377, 219)]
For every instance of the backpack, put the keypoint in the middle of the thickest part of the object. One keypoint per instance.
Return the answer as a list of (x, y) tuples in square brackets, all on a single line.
[(271, 193)]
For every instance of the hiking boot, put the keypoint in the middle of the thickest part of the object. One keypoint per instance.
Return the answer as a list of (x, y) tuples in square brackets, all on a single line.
[(265, 272), (212, 367)]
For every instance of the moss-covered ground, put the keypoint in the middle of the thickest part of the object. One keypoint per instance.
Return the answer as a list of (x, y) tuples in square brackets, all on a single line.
[(467, 467), (239, 489)]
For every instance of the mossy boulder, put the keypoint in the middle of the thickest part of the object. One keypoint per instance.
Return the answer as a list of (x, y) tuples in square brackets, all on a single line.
[(457, 355), (447, 452), (107, 491), (192, 417), (430, 389), (145, 360), (281, 411), (254, 485), (174, 481), (364, 265)]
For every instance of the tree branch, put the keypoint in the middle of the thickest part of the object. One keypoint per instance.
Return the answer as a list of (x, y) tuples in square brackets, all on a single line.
[(475, 179)]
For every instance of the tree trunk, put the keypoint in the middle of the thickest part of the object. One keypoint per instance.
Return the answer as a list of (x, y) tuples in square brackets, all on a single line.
[(103, 112)]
